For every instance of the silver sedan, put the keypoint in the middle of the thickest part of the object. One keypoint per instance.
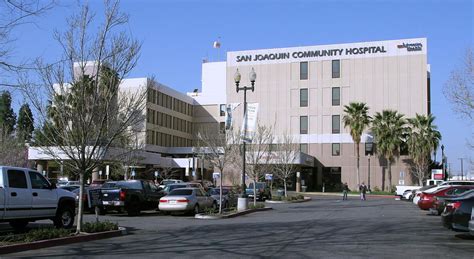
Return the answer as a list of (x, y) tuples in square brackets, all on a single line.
[(187, 200)]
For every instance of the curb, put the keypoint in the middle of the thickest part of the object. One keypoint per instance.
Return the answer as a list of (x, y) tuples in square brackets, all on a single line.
[(353, 195), (305, 199), (61, 241), (233, 215)]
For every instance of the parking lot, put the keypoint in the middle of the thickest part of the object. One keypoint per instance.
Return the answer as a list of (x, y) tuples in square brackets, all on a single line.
[(323, 227)]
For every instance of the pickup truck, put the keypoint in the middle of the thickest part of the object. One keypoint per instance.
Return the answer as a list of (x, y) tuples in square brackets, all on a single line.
[(26, 196), (132, 195)]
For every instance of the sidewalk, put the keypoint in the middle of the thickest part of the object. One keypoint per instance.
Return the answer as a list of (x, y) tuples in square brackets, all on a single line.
[(349, 194)]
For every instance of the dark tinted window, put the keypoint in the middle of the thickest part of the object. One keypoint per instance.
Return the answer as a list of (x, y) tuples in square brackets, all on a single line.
[(303, 70), (336, 69), (336, 149), (336, 124), (303, 124), (179, 192), (304, 97), (109, 185), (304, 147), (38, 181), (336, 96), (217, 191), (130, 184), (17, 179)]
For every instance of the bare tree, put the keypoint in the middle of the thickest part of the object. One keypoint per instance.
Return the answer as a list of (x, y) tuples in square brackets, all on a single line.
[(88, 111), (13, 151), (285, 156), (167, 170), (258, 156), (218, 149), (14, 13)]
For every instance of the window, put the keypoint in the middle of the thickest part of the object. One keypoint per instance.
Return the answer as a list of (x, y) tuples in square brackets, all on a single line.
[(222, 127), (303, 124), (303, 97), (336, 124), (336, 68), (38, 181), (303, 70), (17, 179), (336, 96), (304, 148), (222, 109), (336, 149)]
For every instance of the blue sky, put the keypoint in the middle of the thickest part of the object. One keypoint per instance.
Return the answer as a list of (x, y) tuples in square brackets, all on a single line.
[(177, 35)]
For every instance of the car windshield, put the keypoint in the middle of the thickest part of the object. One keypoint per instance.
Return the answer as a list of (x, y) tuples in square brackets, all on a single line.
[(171, 187), (130, 184), (180, 192), (259, 186), (216, 191)]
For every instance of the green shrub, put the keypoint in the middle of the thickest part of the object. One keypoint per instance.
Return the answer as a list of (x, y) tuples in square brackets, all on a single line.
[(93, 227), (256, 206), (300, 197), (276, 198), (45, 233), (376, 189)]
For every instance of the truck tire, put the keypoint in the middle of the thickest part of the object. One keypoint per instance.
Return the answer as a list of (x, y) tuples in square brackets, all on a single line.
[(133, 209), (18, 224), (64, 217)]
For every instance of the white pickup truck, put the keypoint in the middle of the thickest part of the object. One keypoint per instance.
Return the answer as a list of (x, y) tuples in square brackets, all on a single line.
[(26, 196)]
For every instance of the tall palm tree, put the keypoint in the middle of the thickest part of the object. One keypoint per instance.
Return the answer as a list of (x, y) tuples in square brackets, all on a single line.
[(389, 131), (423, 139), (357, 119)]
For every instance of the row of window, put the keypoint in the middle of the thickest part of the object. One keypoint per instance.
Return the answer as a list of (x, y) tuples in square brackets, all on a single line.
[(336, 148), (166, 140), (336, 124), (17, 179), (164, 100), (304, 69), (336, 97), (168, 121)]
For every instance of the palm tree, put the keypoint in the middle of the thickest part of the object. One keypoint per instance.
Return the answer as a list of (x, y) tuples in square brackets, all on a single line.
[(389, 131), (423, 139), (357, 119)]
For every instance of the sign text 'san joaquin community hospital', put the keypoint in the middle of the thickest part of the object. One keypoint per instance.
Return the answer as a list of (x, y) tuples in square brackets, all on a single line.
[(339, 51)]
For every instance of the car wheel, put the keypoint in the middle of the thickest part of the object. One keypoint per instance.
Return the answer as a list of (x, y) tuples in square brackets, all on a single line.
[(64, 217), (18, 224), (134, 208), (196, 209)]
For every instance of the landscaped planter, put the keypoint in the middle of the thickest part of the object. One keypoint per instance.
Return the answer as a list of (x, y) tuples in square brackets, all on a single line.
[(305, 199), (61, 241), (231, 215)]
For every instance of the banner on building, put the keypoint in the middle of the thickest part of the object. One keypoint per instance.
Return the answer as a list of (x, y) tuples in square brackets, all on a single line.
[(228, 114), (250, 122)]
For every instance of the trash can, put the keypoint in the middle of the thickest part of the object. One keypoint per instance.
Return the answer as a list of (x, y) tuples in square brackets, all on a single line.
[(280, 192), (303, 188)]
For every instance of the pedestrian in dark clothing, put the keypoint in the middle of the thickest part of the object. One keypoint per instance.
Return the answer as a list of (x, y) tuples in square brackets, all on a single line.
[(345, 189), (363, 190)]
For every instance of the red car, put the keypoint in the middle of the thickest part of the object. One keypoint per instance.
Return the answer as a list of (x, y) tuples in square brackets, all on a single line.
[(427, 198), (439, 202)]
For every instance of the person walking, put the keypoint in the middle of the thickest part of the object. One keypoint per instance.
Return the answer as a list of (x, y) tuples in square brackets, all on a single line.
[(363, 190), (345, 189)]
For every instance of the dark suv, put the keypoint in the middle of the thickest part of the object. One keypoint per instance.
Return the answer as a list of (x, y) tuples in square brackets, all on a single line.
[(262, 189)]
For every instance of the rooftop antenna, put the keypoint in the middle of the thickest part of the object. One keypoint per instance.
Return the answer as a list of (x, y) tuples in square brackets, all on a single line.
[(217, 45)]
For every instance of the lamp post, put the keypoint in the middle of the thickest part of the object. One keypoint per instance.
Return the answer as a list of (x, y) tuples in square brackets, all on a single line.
[(368, 151), (462, 169), (368, 172), (252, 77), (443, 168)]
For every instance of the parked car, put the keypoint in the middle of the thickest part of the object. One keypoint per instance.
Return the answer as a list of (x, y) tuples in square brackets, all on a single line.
[(263, 191), (427, 197), (229, 199), (166, 182), (204, 183), (98, 183), (439, 202), (171, 187), (132, 195), (27, 196), (69, 187), (457, 212), (428, 189), (192, 200), (471, 223)]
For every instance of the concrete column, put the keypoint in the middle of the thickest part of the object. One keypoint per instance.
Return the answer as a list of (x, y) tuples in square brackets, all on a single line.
[(40, 166), (95, 174), (298, 181)]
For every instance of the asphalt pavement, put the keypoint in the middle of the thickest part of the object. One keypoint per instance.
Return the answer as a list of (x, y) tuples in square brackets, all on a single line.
[(325, 227)]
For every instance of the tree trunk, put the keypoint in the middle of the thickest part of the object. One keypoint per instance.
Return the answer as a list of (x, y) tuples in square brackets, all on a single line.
[(284, 183), (383, 179), (254, 192), (358, 158), (390, 175), (220, 193), (81, 203)]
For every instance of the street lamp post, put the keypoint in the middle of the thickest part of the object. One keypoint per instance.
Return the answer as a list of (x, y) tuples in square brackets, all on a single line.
[(368, 172), (443, 168), (462, 169), (252, 77)]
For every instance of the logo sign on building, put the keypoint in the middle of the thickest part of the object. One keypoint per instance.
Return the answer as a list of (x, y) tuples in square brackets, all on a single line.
[(250, 122), (216, 175), (268, 177), (411, 46), (437, 174)]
